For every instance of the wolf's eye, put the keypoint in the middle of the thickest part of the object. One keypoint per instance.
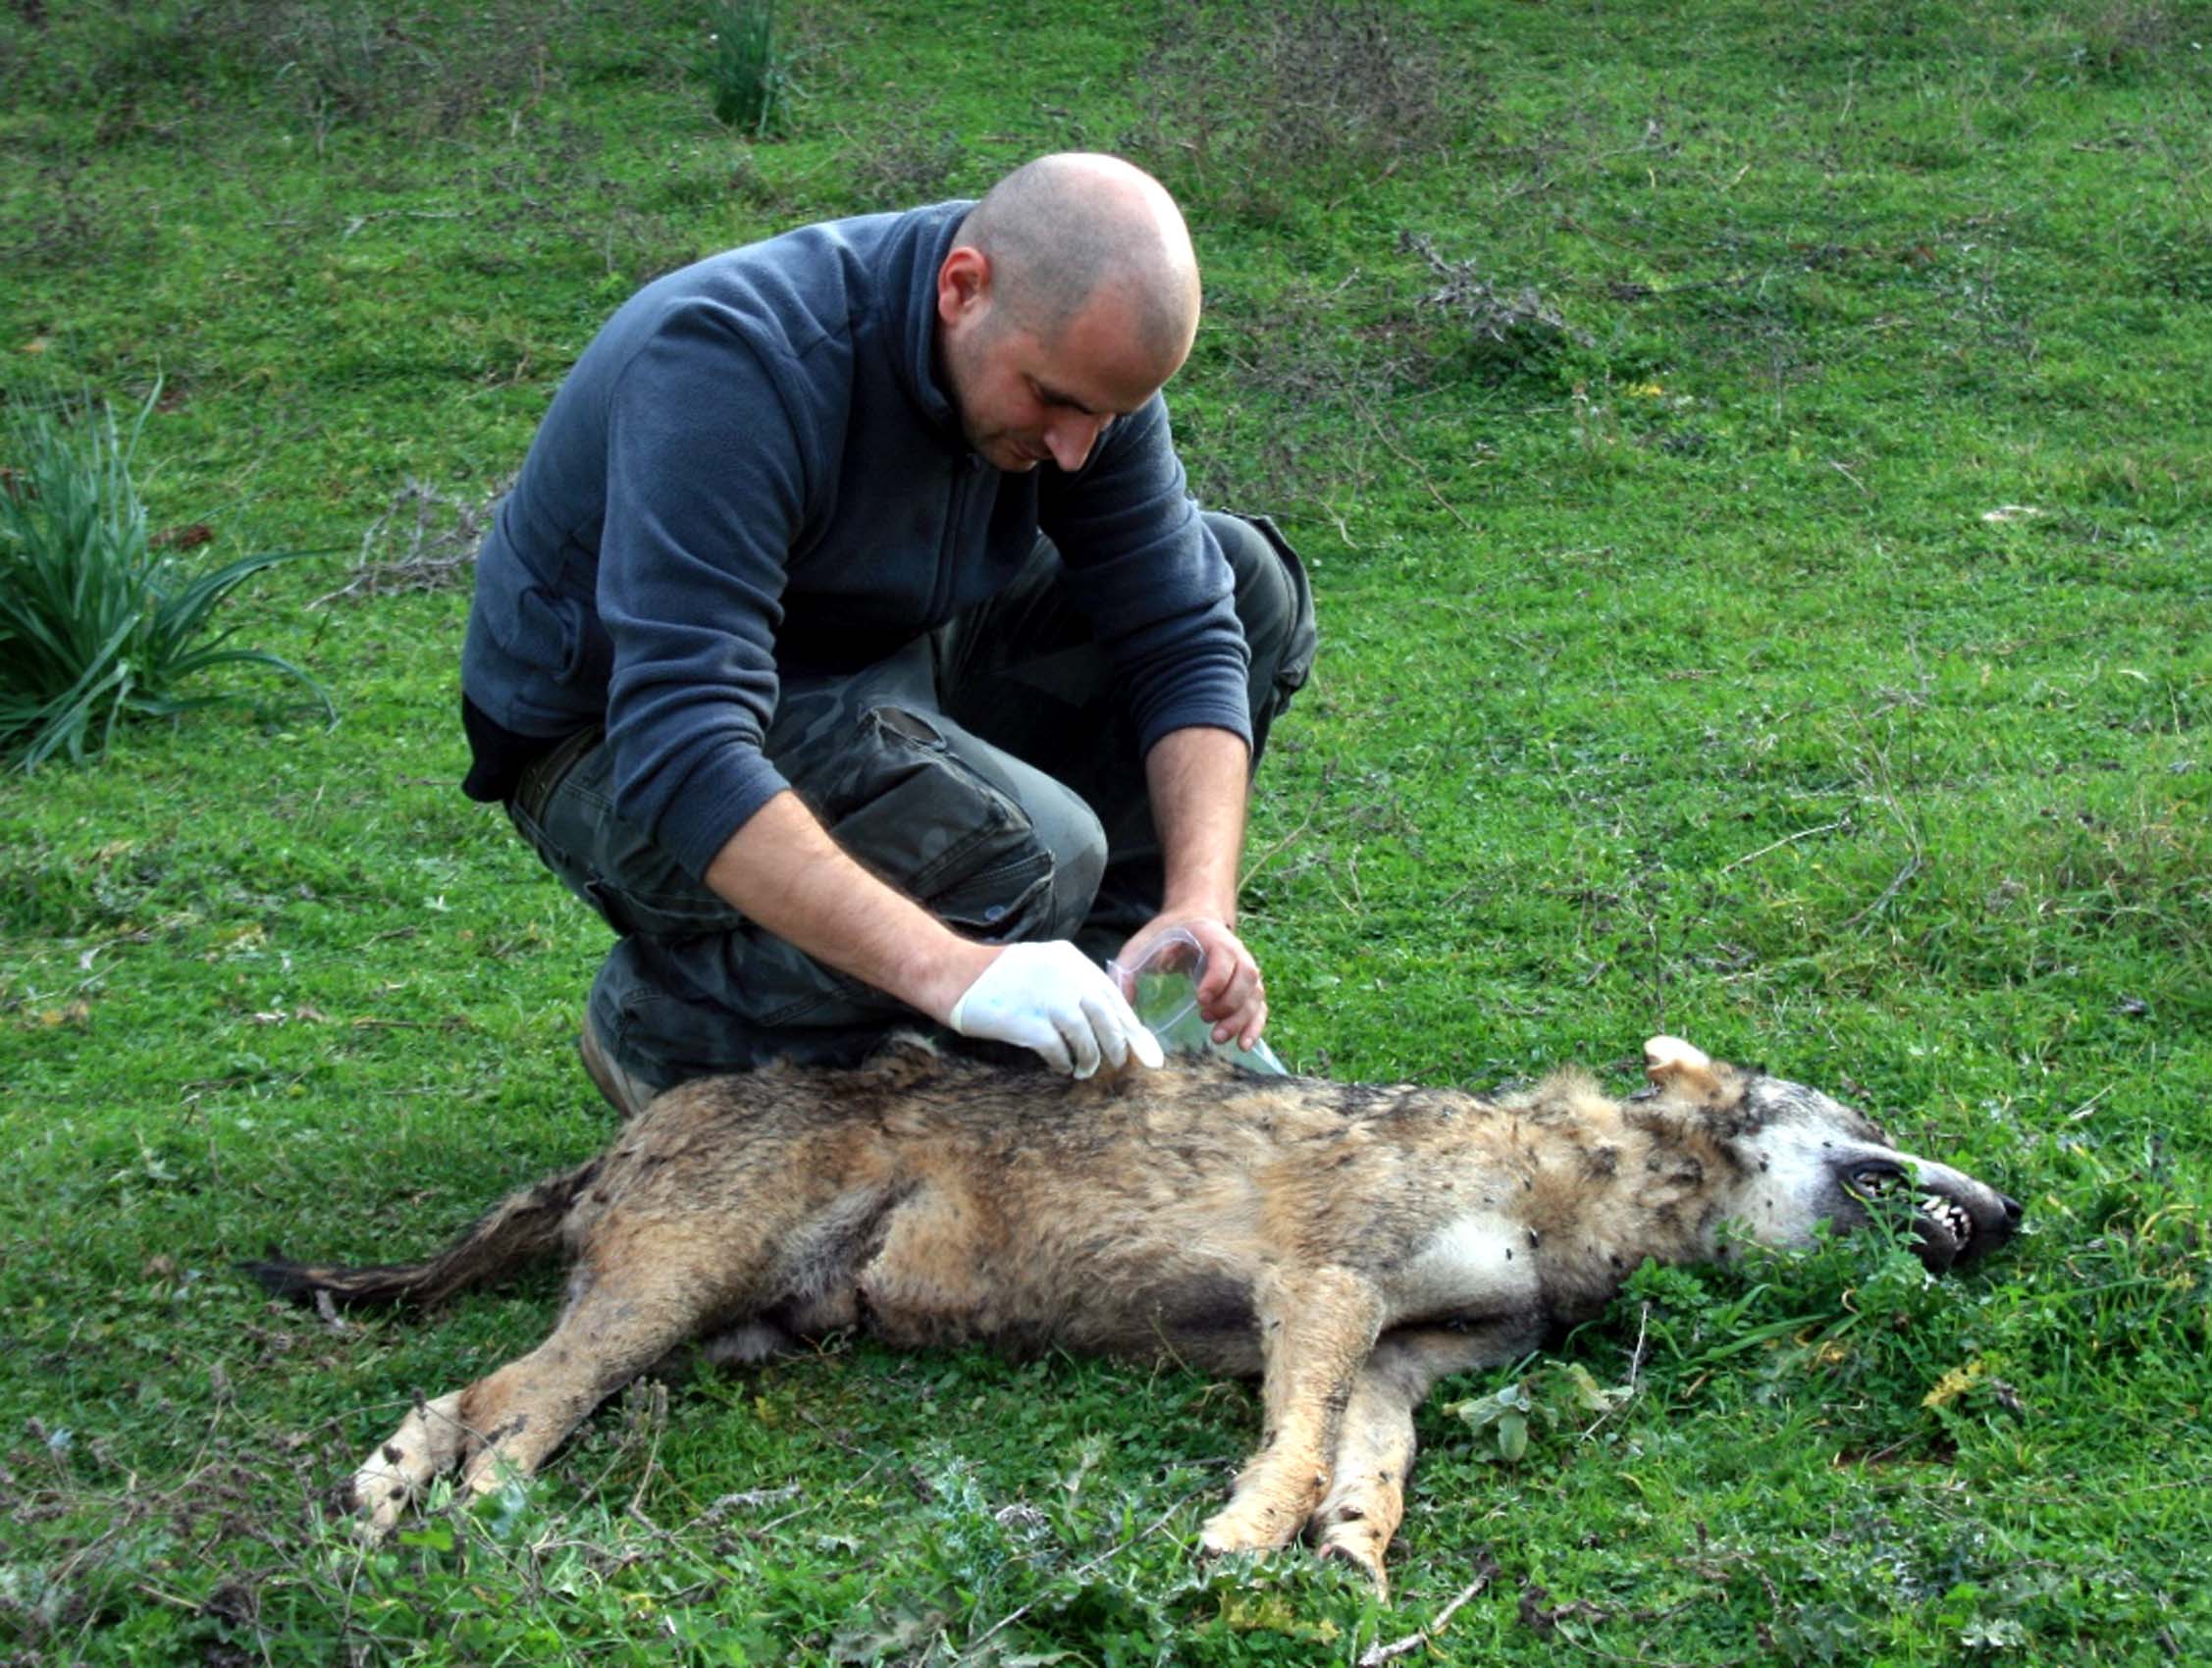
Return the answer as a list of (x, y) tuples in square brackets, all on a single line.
[(1875, 1178)]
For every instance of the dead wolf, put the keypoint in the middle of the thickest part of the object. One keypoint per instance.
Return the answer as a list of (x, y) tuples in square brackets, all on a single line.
[(1348, 1244)]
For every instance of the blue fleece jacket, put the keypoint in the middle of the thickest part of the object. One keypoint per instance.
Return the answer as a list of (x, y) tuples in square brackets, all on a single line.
[(751, 473)]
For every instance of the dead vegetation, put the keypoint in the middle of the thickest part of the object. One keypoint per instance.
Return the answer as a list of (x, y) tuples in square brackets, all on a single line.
[(425, 540), (408, 69), (1238, 102), (1497, 332), (898, 167)]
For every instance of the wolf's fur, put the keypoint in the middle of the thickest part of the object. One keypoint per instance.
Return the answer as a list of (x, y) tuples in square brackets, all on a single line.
[(1348, 1244)]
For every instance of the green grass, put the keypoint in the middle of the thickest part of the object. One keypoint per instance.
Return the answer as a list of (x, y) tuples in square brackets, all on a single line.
[(1675, 677)]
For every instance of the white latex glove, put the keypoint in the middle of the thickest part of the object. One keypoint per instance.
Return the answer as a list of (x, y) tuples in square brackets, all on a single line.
[(1054, 999)]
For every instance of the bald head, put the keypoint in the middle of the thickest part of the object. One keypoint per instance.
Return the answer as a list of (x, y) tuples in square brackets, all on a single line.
[(1065, 231)]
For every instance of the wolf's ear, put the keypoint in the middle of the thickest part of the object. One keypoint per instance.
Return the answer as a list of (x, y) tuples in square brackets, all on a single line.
[(1671, 1063)]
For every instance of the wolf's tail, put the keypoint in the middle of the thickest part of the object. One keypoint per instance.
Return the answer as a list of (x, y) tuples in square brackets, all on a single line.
[(526, 1224)]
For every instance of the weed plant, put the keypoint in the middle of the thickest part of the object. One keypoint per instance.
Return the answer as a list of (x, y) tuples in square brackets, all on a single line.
[(98, 622), (743, 68)]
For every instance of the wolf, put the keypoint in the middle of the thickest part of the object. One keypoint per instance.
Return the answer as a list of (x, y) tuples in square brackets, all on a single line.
[(1347, 1244)]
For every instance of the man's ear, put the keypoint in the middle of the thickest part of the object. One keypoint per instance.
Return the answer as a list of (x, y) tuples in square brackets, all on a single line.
[(1671, 1063), (964, 285)]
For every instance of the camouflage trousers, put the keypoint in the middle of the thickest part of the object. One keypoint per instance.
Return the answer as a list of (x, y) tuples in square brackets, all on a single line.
[(986, 770)]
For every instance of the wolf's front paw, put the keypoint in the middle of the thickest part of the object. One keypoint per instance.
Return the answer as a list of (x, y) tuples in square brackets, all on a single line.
[(1259, 1521), (1357, 1539), (1232, 1529)]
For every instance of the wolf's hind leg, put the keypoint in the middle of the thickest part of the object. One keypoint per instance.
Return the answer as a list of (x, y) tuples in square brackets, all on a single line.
[(625, 1312), (1366, 1499), (1317, 1329), (428, 1444)]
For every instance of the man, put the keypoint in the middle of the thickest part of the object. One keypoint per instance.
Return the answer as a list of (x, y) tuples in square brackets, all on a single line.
[(851, 642)]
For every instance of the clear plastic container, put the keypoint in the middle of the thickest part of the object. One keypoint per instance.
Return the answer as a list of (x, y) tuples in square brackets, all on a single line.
[(1164, 991)]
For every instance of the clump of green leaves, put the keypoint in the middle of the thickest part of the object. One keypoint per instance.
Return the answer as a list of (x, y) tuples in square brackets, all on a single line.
[(1555, 1395), (98, 622), (749, 78)]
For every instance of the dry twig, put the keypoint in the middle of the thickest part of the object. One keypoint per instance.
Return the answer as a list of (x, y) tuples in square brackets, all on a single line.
[(1787, 840), (433, 554), (1379, 1654)]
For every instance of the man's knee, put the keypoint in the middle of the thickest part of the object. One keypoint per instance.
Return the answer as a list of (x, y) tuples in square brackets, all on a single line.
[(1067, 827), (996, 851), (1274, 604)]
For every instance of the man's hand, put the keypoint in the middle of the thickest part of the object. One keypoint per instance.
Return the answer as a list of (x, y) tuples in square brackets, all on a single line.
[(1053, 999), (1232, 996), (1198, 779), (782, 870)]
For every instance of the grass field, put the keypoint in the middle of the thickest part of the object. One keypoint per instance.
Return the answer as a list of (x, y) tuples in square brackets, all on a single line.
[(1757, 473)]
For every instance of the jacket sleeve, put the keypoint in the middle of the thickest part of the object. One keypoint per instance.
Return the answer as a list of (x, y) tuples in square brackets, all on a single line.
[(706, 490), (1143, 565)]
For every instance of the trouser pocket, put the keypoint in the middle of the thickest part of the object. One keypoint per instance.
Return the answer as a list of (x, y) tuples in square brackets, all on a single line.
[(901, 802), (563, 807)]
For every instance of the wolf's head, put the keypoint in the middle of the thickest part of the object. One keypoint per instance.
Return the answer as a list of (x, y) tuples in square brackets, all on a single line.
[(1802, 1158)]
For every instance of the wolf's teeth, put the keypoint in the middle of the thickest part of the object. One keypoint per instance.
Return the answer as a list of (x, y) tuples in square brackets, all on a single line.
[(1957, 1220)]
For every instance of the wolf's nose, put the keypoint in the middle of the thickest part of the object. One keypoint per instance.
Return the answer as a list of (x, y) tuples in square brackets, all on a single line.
[(2012, 1207)]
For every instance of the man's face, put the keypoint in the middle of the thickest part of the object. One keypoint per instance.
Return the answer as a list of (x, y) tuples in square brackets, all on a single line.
[(1023, 401)]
